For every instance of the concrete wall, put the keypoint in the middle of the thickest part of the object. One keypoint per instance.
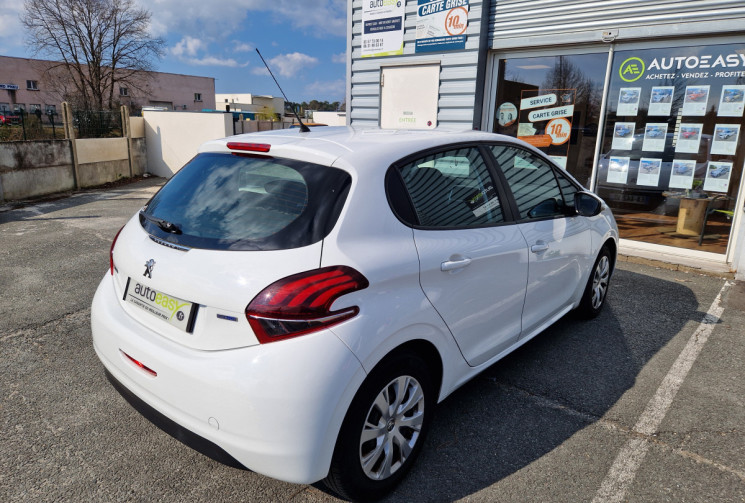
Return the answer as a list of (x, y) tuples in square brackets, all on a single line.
[(34, 168), (137, 127), (101, 160), (173, 138), (330, 118)]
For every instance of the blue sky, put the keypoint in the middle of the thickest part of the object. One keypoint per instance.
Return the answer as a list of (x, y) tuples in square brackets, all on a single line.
[(304, 42)]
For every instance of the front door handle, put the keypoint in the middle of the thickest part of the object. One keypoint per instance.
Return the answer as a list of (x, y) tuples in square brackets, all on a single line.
[(450, 265), (539, 247)]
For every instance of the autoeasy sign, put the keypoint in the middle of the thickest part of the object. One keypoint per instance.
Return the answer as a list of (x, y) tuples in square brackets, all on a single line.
[(441, 25), (703, 66)]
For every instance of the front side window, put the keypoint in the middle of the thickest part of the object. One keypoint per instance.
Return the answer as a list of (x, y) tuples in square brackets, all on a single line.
[(452, 189), (532, 182)]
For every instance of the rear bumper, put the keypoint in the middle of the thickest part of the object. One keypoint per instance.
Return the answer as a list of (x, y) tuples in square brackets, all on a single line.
[(275, 409)]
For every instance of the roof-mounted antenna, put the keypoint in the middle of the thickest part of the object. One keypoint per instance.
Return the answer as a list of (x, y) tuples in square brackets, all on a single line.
[(303, 127)]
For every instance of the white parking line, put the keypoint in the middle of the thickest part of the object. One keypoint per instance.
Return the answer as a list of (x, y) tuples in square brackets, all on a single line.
[(629, 459)]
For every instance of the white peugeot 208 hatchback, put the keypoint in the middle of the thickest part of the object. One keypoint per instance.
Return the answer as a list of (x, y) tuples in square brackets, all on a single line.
[(298, 303)]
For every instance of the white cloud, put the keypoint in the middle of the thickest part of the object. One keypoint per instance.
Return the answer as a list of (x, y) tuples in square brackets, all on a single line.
[(242, 46), (188, 46), (193, 51), (290, 64), (339, 58), (327, 90), (318, 18), (11, 30)]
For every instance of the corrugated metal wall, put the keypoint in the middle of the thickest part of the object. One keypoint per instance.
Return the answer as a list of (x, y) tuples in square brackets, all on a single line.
[(457, 75), (535, 23)]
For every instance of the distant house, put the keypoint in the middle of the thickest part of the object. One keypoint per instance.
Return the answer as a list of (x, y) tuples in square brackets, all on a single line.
[(253, 103), (25, 84)]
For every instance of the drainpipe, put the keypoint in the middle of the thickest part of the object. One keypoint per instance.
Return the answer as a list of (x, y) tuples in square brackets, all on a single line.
[(478, 102)]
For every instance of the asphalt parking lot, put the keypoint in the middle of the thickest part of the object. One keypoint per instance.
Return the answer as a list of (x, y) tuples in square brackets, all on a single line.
[(644, 403)]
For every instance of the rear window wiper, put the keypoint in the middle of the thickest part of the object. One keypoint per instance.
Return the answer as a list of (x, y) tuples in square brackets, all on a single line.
[(163, 224)]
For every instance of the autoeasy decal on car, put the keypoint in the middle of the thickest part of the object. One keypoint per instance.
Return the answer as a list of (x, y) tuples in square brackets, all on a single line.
[(481, 201)]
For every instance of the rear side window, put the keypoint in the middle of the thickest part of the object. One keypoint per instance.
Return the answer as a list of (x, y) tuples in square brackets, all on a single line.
[(231, 202), (452, 189)]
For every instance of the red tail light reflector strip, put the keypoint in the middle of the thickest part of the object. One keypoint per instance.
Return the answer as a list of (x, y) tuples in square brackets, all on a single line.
[(249, 147), (140, 364), (301, 303)]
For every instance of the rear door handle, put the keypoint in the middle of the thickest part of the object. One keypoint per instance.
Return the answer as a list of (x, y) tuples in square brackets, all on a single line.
[(450, 265), (539, 247)]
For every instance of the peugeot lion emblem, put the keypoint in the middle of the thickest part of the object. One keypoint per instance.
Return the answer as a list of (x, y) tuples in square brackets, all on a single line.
[(149, 268)]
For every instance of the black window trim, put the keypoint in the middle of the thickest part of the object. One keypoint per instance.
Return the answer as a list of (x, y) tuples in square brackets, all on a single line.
[(489, 162)]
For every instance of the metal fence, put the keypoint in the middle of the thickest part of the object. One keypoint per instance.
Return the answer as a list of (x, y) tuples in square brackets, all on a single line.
[(97, 124), (21, 125)]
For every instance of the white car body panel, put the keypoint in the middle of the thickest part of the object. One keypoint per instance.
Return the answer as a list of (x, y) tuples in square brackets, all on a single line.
[(220, 371)]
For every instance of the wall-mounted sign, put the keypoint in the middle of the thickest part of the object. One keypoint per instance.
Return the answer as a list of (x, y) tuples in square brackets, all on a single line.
[(441, 25), (9, 87), (382, 27)]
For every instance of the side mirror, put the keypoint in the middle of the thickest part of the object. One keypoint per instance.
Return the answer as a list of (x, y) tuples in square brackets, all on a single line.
[(587, 204)]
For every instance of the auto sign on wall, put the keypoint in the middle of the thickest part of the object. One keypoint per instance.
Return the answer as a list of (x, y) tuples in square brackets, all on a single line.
[(382, 28), (441, 25)]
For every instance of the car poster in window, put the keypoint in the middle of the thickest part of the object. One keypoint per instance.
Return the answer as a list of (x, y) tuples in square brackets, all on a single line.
[(732, 101), (506, 114), (694, 102), (689, 137), (383, 28), (717, 176), (655, 135), (623, 135), (618, 169), (628, 101), (649, 172), (661, 100), (546, 119), (725, 139), (681, 176), (441, 25)]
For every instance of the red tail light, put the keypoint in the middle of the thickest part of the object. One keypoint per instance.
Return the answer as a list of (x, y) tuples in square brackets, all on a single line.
[(111, 251), (140, 364), (249, 147), (301, 304)]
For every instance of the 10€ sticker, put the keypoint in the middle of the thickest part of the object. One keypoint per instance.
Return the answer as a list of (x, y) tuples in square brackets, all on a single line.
[(559, 130)]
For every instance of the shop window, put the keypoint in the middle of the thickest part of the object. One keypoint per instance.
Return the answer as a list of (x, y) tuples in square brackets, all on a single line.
[(19, 108), (32, 85), (4, 108), (32, 108), (553, 103), (672, 150), (50, 109)]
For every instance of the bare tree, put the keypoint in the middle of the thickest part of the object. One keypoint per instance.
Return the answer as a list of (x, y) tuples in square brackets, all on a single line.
[(100, 45)]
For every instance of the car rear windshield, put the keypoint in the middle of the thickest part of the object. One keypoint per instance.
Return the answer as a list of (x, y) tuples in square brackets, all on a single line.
[(246, 202)]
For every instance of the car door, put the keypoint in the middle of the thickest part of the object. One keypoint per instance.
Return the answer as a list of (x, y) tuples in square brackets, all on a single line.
[(559, 242), (473, 260)]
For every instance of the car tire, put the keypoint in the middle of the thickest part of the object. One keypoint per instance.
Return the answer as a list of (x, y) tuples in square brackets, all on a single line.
[(596, 290), (376, 447)]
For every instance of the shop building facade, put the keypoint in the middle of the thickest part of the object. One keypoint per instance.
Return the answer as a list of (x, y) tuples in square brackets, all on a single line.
[(641, 101)]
